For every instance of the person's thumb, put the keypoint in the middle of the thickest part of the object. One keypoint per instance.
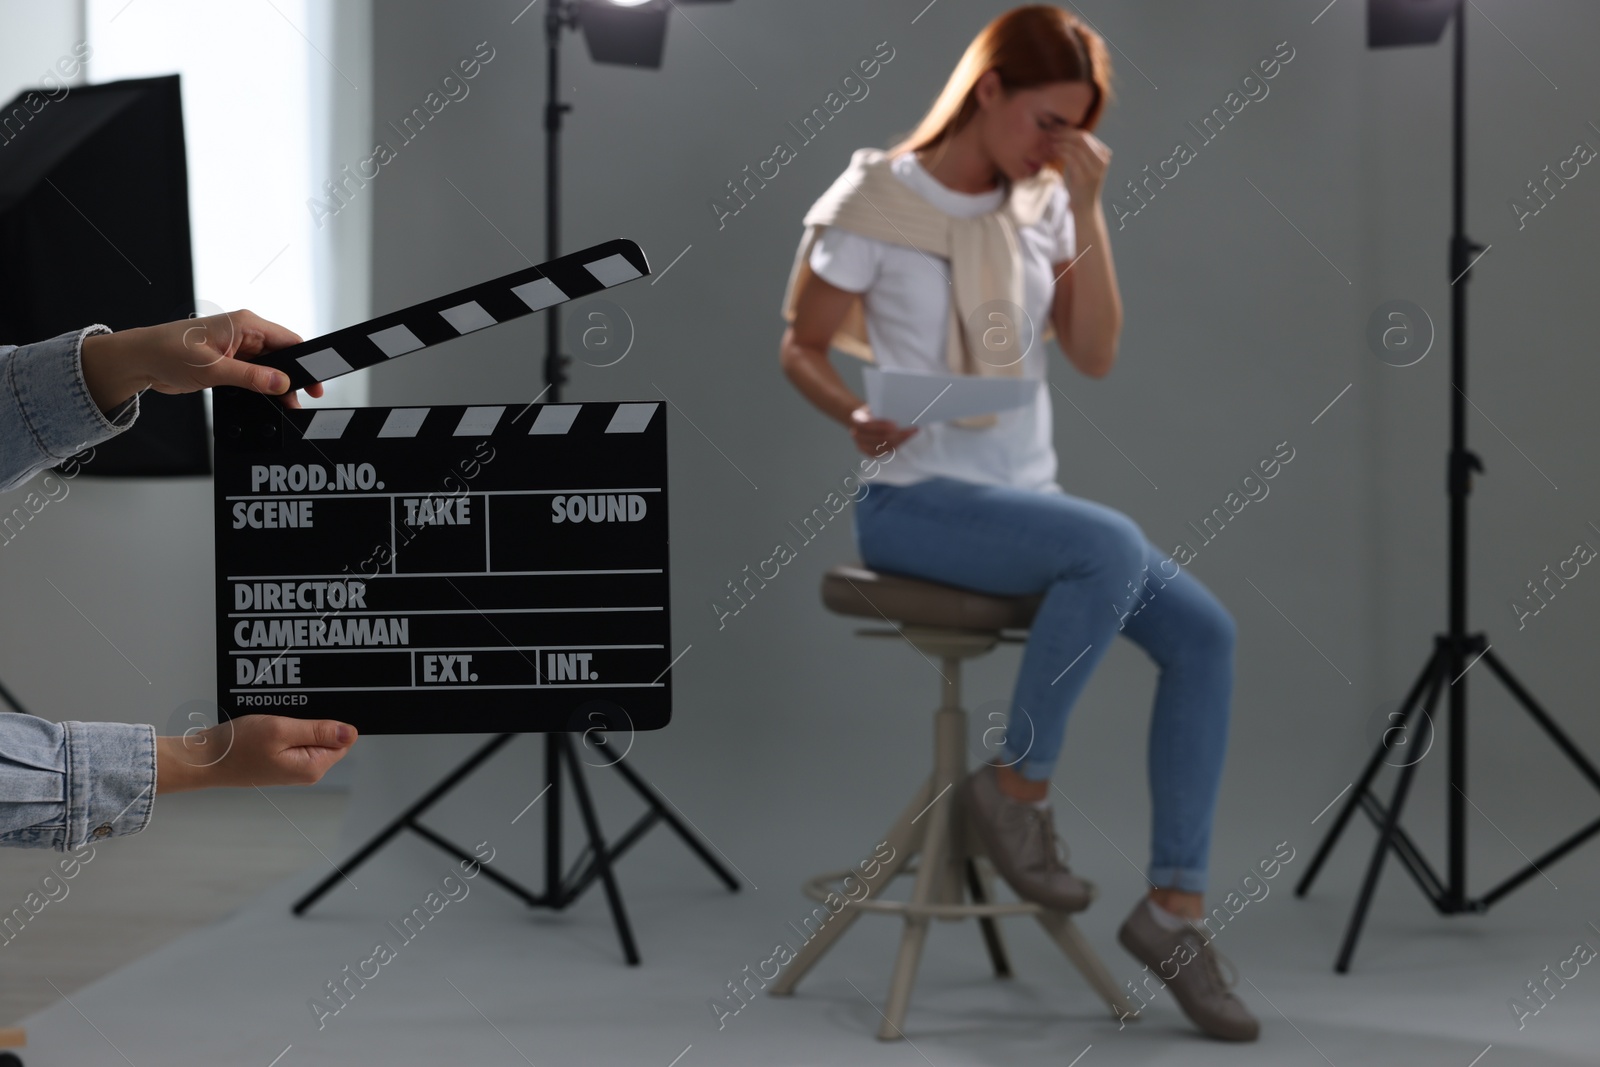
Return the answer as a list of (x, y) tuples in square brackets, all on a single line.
[(251, 376), (330, 733)]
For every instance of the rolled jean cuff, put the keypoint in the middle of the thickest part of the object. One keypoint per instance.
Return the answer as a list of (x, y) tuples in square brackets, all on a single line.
[(110, 780), (1183, 879)]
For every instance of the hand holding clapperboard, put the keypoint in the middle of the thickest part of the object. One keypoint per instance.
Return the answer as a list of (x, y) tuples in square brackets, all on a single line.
[(482, 569)]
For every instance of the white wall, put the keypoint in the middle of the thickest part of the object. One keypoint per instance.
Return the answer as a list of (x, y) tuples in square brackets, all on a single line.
[(35, 36)]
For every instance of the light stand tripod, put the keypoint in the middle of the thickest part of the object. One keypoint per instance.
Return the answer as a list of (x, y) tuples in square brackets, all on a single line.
[(596, 860), (560, 888), (1448, 664)]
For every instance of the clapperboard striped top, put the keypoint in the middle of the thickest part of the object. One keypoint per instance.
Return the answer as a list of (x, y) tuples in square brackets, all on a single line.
[(444, 318), (331, 424)]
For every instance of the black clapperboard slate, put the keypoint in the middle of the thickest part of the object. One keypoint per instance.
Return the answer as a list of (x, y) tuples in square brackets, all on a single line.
[(482, 569)]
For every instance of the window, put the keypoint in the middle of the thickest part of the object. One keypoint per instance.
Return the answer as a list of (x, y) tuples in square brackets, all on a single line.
[(258, 90)]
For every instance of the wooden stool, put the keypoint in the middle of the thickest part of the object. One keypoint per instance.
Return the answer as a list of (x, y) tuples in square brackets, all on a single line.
[(952, 624)]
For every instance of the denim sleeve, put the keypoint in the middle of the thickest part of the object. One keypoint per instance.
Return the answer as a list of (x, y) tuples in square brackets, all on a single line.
[(65, 783), (46, 413)]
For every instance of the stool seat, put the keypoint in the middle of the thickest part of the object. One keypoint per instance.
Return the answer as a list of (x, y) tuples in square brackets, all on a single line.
[(855, 590)]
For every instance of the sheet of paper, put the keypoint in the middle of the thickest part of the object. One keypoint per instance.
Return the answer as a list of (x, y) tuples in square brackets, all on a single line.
[(909, 396)]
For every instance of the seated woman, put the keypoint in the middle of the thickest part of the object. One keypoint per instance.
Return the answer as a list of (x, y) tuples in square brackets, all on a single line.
[(924, 258)]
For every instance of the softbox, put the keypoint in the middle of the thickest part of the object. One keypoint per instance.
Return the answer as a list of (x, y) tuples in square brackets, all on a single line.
[(94, 227)]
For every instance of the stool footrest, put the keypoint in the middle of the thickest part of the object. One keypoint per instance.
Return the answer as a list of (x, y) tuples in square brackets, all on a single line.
[(819, 888)]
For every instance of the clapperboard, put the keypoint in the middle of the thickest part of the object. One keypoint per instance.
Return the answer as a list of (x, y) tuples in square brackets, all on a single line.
[(490, 568)]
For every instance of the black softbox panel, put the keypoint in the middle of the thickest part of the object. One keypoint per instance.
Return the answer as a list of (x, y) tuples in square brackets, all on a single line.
[(94, 227), (1393, 23)]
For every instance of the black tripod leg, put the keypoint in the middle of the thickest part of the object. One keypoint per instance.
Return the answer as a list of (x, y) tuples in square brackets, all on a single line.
[(554, 890), (510, 885), (988, 924), (690, 838), (401, 821), (1380, 851), (1542, 717), (597, 842), (5, 694), (1429, 670)]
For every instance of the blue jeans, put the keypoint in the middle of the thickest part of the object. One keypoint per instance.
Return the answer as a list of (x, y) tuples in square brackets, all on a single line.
[(1090, 561)]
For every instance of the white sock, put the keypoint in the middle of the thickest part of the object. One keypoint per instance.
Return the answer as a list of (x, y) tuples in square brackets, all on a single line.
[(1166, 919)]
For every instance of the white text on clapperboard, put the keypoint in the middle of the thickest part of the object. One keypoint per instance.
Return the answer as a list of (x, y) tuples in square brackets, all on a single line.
[(330, 603)]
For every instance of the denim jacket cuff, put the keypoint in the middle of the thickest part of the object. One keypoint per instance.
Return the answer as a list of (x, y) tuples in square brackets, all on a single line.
[(111, 780), (63, 421)]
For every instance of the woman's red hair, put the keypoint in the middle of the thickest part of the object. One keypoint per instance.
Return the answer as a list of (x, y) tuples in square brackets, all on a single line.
[(1028, 47)]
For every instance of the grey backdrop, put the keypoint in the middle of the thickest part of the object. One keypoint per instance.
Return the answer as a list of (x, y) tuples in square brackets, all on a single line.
[(794, 740), (1240, 331)]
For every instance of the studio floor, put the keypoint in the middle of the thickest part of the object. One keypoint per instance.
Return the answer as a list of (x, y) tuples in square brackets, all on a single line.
[(487, 981)]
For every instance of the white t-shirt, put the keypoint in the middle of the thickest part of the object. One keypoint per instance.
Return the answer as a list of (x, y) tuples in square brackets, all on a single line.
[(906, 303)]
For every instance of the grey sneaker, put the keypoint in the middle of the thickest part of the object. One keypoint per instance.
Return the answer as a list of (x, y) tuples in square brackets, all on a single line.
[(1020, 840), (1185, 961)]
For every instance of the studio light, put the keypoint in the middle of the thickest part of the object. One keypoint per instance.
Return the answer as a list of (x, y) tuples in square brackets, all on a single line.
[(626, 32), (620, 32), (1392, 23)]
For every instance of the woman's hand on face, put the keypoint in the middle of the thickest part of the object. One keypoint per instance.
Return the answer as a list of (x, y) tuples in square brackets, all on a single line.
[(1085, 159), (186, 356), (871, 434)]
